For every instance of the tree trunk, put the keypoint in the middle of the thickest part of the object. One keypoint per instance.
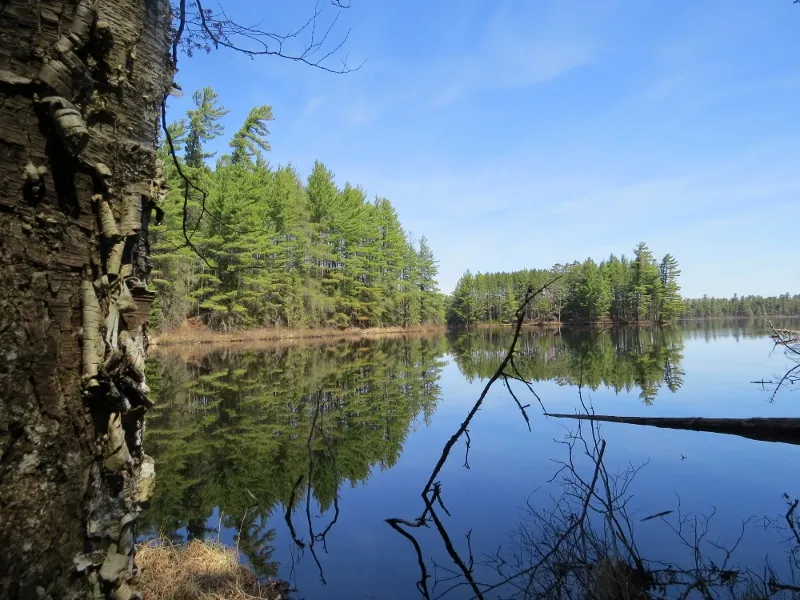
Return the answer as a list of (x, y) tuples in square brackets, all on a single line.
[(81, 85)]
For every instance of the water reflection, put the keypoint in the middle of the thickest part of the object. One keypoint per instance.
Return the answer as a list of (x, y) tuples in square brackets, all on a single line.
[(583, 539), (622, 359), (238, 434), (584, 543), (262, 445)]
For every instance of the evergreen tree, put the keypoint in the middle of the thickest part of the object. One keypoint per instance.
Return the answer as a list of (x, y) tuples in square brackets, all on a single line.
[(390, 259), (510, 304), (430, 300), (276, 252), (250, 141), (618, 289), (462, 307), (203, 126), (785, 305), (646, 284), (410, 292), (671, 303), (590, 295)]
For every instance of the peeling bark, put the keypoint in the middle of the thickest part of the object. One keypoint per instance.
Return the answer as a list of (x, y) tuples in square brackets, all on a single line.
[(81, 84)]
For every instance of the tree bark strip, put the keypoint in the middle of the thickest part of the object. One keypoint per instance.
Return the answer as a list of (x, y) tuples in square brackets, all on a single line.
[(81, 85)]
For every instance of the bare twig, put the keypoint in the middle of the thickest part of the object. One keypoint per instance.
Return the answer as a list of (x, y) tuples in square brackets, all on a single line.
[(575, 525), (422, 584), (529, 296)]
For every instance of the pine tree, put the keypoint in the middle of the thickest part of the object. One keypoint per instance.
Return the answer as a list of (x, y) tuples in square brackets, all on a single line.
[(391, 258), (250, 142), (275, 251), (618, 289), (410, 291), (589, 293), (462, 307), (203, 126), (646, 284), (510, 304), (671, 303), (174, 263), (431, 309)]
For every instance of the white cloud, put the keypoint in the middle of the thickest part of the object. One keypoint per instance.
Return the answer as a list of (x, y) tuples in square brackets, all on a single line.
[(519, 47), (512, 64), (505, 52)]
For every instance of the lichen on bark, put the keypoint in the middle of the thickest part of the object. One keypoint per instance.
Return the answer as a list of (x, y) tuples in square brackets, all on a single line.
[(81, 84)]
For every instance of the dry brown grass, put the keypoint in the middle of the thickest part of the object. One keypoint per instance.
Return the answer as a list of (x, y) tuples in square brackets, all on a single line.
[(199, 570), (193, 334)]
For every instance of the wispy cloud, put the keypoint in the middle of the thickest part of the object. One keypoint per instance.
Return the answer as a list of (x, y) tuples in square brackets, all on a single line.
[(489, 219), (665, 86), (518, 47), (517, 134), (362, 112), (511, 64), (502, 51)]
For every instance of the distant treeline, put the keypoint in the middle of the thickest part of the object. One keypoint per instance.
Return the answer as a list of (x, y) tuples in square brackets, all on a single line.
[(267, 249), (745, 306), (620, 289)]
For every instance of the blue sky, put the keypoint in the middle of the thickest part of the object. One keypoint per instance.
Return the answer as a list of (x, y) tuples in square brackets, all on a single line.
[(520, 134)]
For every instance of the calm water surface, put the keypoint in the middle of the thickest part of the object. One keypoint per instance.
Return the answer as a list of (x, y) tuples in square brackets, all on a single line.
[(299, 454)]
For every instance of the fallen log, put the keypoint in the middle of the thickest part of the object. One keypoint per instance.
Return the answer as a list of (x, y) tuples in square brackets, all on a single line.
[(790, 333), (764, 429)]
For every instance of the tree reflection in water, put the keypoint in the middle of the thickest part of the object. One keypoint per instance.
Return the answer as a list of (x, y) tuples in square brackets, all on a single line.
[(248, 432), (243, 436), (585, 544)]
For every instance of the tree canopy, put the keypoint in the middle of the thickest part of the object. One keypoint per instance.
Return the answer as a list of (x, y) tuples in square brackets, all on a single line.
[(618, 289), (268, 249)]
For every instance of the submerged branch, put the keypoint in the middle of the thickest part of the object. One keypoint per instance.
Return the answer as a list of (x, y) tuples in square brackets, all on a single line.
[(785, 430), (422, 584), (529, 296), (576, 525), (431, 493)]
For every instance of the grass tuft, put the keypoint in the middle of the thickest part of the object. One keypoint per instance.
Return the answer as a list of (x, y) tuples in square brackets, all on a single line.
[(200, 570)]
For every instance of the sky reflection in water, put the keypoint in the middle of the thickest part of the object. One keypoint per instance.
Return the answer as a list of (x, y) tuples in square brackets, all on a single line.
[(234, 426)]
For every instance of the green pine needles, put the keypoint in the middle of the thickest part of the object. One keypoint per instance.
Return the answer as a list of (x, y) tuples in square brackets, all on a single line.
[(273, 250), (621, 290)]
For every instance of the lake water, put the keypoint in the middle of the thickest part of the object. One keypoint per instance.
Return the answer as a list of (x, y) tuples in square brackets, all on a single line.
[(346, 434)]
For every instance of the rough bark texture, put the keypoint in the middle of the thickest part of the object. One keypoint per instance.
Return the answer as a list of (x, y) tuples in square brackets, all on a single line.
[(81, 85)]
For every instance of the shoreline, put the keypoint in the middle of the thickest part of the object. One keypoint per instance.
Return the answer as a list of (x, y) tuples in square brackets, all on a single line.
[(195, 336), (202, 335)]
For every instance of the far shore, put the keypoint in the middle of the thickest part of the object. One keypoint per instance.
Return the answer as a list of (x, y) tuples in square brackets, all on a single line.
[(196, 334), (203, 335)]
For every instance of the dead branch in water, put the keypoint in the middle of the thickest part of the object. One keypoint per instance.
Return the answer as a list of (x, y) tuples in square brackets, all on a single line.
[(431, 492), (322, 536), (585, 546), (530, 294), (785, 430)]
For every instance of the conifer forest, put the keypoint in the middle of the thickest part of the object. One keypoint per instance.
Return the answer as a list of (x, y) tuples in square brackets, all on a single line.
[(264, 248), (246, 244), (390, 320)]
